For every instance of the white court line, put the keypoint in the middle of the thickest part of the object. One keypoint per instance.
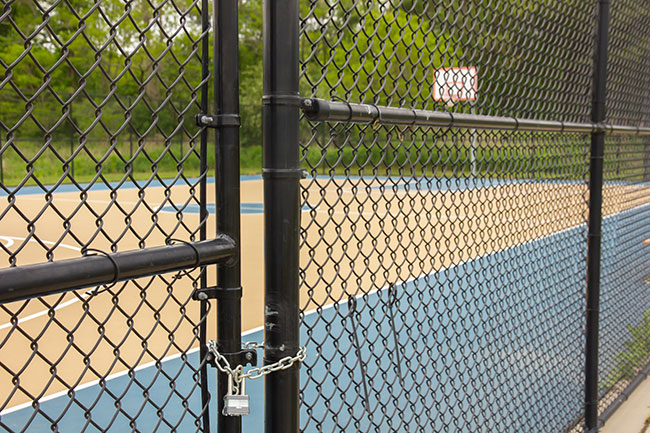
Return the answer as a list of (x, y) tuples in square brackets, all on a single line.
[(112, 376), (156, 206), (309, 312), (10, 241), (442, 219)]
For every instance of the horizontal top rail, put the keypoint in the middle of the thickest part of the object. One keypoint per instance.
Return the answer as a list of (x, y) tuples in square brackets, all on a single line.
[(30, 281), (330, 111)]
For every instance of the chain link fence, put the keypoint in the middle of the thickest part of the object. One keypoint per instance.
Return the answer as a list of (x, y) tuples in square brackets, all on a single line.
[(443, 267), (101, 155), (446, 214)]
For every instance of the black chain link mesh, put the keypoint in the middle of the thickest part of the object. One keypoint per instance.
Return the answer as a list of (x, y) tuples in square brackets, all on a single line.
[(628, 84), (443, 270), (625, 305), (534, 60), (100, 154)]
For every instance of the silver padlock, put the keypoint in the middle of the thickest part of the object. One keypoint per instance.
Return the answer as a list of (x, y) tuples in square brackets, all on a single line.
[(237, 404)]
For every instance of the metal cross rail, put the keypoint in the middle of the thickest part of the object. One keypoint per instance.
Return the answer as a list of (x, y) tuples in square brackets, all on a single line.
[(48, 278), (332, 111)]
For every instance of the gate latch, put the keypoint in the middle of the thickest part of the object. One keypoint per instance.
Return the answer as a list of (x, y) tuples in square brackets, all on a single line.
[(236, 402)]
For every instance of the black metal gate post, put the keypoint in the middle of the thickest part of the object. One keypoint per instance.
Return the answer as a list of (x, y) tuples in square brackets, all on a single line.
[(203, 211), (595, 220), (646, 161), (226, 121), (281, 210)]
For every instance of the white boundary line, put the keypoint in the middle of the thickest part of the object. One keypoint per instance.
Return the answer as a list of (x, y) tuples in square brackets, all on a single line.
[(452, 266), (44, 312), (309, 312), (10, 241), (112, 376)]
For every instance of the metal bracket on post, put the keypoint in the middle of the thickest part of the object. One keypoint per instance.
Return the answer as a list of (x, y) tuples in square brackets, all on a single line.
[(216, 292), (218, 120), (286, 173), (243, 357)]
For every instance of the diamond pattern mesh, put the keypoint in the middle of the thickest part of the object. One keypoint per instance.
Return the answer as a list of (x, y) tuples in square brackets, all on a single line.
[(100, 154), (443, 269)]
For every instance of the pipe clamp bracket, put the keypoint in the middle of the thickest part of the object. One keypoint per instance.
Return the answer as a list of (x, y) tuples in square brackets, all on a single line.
[(216, 292), (218, 120)]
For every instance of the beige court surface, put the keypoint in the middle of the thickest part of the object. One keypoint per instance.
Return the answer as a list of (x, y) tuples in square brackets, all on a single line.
[(357, 236), (631, 416)]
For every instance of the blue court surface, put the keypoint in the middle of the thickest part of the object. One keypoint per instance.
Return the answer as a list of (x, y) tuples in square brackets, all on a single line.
[(246, 208), (420, 183), (101, 186), (511, 317)]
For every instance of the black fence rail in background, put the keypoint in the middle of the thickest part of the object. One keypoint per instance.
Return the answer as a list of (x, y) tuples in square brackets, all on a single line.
[(126, 152)]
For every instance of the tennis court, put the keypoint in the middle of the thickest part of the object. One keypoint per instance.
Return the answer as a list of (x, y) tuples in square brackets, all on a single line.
[(489, 273)]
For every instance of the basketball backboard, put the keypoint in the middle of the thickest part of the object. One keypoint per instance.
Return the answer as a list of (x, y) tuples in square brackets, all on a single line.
[(455, 84)]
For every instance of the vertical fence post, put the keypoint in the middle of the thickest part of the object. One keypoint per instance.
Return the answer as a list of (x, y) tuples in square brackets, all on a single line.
[(131, 127), (226, 94), (281, 172), (595, 220), (2, 170), (472, 148), (71, 142), (646, 162), (203, 210)]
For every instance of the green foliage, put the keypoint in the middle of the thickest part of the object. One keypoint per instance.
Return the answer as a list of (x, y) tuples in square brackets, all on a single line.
[(121, 98), (250, 75), (635, 355), (85, 77), (381, 55), (153, 158), (99, 86)]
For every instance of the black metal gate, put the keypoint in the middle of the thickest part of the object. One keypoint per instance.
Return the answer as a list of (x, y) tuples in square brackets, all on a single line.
[(105, 177)]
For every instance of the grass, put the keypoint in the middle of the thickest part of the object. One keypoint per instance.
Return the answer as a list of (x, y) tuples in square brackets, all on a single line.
[(635, 353), (448, 160), (49, 164)]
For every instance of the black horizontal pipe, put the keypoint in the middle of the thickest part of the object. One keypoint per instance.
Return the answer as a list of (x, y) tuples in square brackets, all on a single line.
[(329, 111), (30, 281)]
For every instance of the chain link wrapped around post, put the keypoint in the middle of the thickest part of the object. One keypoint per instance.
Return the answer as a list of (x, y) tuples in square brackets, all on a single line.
[(238, 374)]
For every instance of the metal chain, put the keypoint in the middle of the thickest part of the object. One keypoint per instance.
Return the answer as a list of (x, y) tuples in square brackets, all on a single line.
[(282, 364), (238, 374)]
